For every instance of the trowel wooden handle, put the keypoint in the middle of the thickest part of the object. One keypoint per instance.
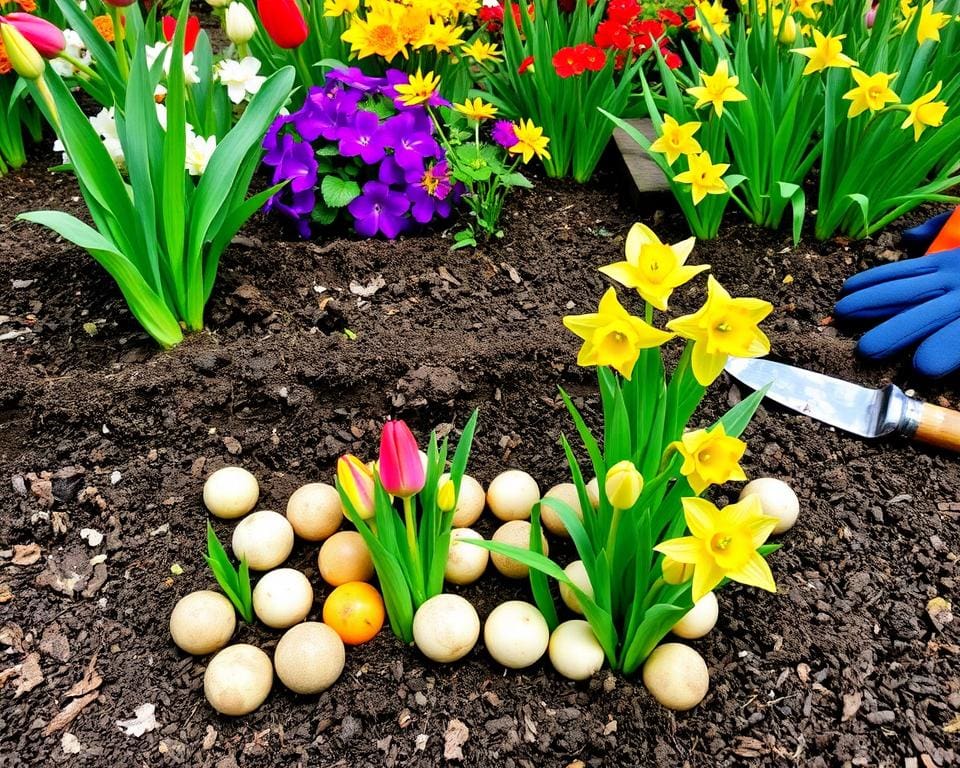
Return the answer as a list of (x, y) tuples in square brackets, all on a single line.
[(939, 427)]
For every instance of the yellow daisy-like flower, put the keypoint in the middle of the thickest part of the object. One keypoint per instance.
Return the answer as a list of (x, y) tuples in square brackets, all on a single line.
[(442, 37), (476, 110), (339, 7), (710, 457), (723, 326), (723, 544), (704, 177), (873, 92), (826, 52), (717, 89), (925, 112), (377, 35), (676, 139), (530, 141), (419, 89), (654, 269), (612, 336), (481, 51)]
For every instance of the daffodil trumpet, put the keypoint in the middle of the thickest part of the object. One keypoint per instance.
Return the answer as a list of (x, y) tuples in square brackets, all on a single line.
[(651, 464), (405, 514)]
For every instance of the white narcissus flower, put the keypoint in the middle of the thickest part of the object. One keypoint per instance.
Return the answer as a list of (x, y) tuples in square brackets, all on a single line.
[(75, 49), (191, 74), (199, 151), (240, 77)]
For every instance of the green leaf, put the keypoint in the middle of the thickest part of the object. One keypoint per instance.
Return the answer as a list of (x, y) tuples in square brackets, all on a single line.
[(337, 192), (236, 585)]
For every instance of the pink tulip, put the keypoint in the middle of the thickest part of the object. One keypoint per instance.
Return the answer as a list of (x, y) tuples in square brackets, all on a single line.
[(356, 481), (40, 33), (871, 16), (401, 471)]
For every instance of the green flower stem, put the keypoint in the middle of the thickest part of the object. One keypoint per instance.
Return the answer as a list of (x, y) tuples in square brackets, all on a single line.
[(410, 522), (612, 535), (78, 65), (119, 38)]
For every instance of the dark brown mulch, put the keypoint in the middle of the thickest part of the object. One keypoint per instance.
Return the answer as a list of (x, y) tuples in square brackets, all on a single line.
[(844, 666)]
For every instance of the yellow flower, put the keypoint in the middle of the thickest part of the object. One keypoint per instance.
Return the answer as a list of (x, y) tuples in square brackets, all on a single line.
[(377, 35), (339, 7), (412, 25), (530, 141), (612, 336), (931, 22), (723, 326), (723, 544), (926, 112), (714, 15), (704, 176), (873, 92), (710, 458), (447, 497), (481, 51), (623, 485), (784, 26), (476, 110), (717, 88), (827, 51), (674, 572), (804, 8), (653, 268), (676, 139), (442, 37), (419, 89)]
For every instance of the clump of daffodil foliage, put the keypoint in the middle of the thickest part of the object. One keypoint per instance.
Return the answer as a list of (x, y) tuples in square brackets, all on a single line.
[(651, 547)]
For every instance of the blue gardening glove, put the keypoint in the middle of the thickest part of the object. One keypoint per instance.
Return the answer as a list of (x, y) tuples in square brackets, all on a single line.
[(916, 240), (919, 302)]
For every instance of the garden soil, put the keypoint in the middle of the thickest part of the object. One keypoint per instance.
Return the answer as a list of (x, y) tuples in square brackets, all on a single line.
[(309, 347)]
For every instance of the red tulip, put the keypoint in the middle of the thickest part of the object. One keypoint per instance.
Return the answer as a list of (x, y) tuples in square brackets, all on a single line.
[(283, 20), (40, 33), (190, 37), (401, 470)]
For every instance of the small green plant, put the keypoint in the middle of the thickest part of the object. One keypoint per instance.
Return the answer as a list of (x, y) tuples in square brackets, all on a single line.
[(234, 582)]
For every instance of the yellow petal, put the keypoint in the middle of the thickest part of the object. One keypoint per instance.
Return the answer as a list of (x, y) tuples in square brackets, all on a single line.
[(706, 366), (699, 516), (706, 576), (754, 573), (687, 549)]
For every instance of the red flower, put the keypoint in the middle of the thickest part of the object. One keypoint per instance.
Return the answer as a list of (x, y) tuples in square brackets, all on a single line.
[(568, 62), (492, 16), (670, 17), (525, 65), (673, 61), (593, 58), (190, 36), (690, 12), (623, 11), (284, 22), (612, 35)]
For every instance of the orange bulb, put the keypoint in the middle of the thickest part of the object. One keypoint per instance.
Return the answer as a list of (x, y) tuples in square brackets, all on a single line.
[(354, 611)]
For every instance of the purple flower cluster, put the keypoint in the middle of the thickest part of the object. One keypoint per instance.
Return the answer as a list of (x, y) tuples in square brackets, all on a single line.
[(355, 128)]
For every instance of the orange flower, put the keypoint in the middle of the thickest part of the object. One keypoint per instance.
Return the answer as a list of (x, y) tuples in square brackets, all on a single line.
[(5, 67), (27, 6), (104, 25)]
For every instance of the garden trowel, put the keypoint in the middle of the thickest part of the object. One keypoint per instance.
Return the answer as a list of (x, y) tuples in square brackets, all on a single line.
[(850, 407)]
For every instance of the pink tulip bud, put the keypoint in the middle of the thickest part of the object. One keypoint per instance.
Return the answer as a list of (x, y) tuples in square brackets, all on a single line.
[(871, 17), (401, 470), (356, 482), (40, 33)]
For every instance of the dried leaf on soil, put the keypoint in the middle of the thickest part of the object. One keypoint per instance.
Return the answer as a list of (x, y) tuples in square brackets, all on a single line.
[(90, 682), (749, 747), (30, 675), (953, 726), (368, 290), (141, 723), (940, 612), (69, 713), (851, 705), (453, 740), (12, 635), (55, 644), (26, 554)]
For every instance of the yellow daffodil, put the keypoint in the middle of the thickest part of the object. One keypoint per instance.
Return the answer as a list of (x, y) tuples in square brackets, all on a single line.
[(675, 572), (704, 176), (675, 139), (419, 89), (873, 92), (805, 8), (784, 26), (827, 51), (447, 497), (931, 21), (530, 141), (723, 544), (714, 16), (623, 485), (710, 458), (376, 35), (612, 336), (481, 51), (476, 110), (653, 268), (925, 112), (717, 89), (339, 7), (723, 326)]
